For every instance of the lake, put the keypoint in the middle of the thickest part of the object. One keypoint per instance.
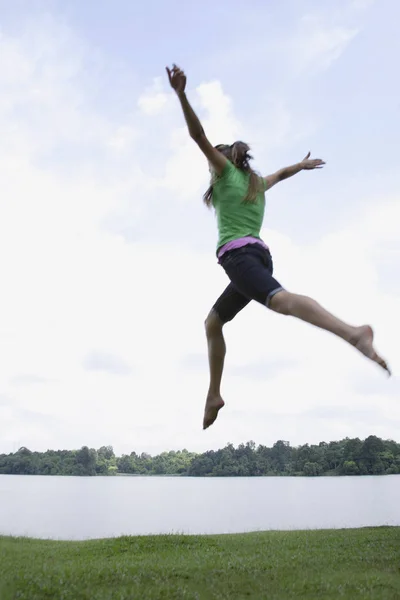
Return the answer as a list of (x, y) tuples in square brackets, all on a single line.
[(78, 508)]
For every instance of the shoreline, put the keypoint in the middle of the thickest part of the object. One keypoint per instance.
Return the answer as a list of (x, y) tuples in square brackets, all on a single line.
[(30, 539)]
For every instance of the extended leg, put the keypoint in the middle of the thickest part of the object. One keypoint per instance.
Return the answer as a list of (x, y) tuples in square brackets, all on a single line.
[(228, 305), (216, 357), (309, 310)]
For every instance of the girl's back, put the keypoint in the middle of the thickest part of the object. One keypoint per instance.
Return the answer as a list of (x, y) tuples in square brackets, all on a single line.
[(236, 217)]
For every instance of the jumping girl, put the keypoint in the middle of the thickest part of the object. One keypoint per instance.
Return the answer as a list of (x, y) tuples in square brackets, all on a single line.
[(237, 194)]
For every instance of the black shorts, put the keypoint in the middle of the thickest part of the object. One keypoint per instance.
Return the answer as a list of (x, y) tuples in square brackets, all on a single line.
[(249, 269)]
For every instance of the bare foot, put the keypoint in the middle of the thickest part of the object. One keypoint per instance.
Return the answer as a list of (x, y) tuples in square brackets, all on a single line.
[(213, 404), (363, 341)]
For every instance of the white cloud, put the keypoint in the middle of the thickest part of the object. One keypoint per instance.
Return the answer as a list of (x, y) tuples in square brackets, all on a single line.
[(26, 379), (106, 362), (153, 99), (361, 4), (319, 44), (221, 123), (123, 138)]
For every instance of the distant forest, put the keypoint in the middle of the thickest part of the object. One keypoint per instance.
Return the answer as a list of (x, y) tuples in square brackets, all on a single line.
[(372, 456)]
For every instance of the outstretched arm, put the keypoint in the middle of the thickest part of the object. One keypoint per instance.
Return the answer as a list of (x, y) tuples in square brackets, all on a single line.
[(305, 165), (177, 79)]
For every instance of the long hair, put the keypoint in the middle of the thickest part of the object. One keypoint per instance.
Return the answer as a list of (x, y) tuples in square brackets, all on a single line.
[(238, 154)]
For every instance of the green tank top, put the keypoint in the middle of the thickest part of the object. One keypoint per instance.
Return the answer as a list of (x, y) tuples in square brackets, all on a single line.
[(235, 218)]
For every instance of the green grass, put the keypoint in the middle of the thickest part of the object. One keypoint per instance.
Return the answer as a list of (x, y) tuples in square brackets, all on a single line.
[(336, 564)]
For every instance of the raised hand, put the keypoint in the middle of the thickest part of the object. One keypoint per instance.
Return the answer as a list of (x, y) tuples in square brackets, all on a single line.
[(177, 79), (312, 163)]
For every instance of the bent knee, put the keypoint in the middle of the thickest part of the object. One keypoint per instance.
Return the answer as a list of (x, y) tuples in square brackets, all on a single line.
[(281, 302), (213, 323)]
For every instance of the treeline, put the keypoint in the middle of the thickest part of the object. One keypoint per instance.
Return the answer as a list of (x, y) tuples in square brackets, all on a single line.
[(88, 461), (351, 456)]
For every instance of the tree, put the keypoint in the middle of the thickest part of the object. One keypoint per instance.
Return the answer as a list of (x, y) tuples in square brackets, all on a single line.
[(106, 452), (280, 455), (370, 455), (350, 468), (312, 469), (334, 455), (86, 461), (345, 457), (125, 464), (352, 449)]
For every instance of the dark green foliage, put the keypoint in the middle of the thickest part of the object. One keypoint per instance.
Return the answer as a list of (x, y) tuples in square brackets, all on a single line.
[(372, 456), (85, 461), (348, 564), (88, 461), (347, 457)]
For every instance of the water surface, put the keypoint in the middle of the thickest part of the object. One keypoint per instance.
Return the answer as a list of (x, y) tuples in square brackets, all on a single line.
[(78, 508)]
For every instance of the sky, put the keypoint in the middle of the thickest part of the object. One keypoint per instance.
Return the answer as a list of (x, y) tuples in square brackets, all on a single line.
[(107, 253)]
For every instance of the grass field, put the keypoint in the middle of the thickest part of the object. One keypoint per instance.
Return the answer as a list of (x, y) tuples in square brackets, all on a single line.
[(336, 564)]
